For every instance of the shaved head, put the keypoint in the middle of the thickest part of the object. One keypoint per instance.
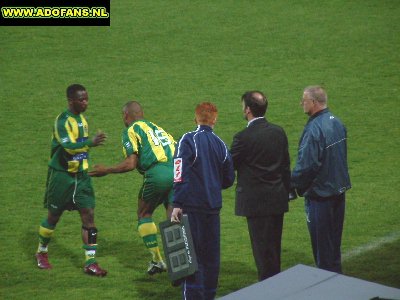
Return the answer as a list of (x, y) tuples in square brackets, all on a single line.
[(131, 112), (133, 109)]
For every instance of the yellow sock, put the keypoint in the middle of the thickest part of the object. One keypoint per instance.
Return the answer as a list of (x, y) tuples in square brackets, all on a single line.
[(148, 232), (45, 235)]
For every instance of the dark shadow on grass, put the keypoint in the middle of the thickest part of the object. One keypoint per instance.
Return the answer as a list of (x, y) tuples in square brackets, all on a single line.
[(292, 257), (156, 287), (234, 276), (133, 255)]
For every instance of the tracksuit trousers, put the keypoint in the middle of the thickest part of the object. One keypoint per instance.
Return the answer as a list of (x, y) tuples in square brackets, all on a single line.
[(325, 217), (205, 229)]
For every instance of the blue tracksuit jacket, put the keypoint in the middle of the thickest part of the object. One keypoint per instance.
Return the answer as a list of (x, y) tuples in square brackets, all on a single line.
[(321, 169), (202, 168)]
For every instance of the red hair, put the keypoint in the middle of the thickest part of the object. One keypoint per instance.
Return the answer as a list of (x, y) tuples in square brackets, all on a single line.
[(206, 112)]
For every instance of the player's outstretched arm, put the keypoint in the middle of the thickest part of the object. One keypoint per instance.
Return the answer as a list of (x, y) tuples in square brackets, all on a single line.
[(126, 165)]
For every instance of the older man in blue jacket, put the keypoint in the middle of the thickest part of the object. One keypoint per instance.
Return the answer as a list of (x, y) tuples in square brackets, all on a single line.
[(202, 168), (321, 176)]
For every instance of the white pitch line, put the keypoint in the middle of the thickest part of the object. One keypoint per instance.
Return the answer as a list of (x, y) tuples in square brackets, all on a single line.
[(371, 246)]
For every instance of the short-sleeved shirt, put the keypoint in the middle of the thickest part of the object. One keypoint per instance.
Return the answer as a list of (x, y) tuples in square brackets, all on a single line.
[(68, 185), (150, 142), (70, 143)]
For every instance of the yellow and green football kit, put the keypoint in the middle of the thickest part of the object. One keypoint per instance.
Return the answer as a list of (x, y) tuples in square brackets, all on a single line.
[(70, 143), (155, 149), (68, 185)]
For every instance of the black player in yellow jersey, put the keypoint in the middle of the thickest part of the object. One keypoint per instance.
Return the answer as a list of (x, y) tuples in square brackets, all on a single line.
[(68, 184), (149, 149)]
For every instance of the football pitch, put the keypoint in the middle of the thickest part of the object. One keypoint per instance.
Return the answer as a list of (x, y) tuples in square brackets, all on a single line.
[(171, 55)]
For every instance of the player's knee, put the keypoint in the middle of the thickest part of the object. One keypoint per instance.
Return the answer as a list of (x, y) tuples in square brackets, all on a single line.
[(87, 217), (53, 219), (145, 209), (145, 212)]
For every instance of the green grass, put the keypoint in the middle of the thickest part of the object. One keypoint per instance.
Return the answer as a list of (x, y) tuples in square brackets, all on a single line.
[(170, 55), (379, 265)]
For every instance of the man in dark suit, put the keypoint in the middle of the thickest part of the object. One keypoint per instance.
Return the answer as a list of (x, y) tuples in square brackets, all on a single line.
[(261, 157)]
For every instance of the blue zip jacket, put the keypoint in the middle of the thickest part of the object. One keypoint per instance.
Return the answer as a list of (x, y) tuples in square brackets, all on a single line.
[(321, 169), (202, 168)]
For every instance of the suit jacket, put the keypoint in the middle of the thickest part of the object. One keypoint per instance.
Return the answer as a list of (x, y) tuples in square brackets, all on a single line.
[(261, 157)]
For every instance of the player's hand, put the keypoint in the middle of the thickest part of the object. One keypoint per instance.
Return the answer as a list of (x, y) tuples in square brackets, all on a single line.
[(99, 139), (176, 215), (99, 171)]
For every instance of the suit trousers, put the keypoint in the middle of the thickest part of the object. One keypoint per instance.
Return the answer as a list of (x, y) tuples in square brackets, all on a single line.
[(266, 235), (325, 219)]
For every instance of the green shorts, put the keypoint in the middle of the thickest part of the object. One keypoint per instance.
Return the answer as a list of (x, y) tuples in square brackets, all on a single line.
[(157, 185), (68, 191)]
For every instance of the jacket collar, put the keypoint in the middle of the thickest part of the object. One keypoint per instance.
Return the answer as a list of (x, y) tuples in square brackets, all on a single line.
[(256, 121), (325, 110), (204, 127)]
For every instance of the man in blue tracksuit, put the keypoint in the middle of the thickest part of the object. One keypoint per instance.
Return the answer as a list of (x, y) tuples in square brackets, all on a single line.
[(321, 175), (202, 168)]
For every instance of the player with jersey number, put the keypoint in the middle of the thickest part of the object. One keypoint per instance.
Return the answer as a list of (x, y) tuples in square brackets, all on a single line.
[(149, 149)]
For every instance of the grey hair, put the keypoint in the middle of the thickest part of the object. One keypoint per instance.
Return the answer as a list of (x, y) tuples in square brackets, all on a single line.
[(317, 93)]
